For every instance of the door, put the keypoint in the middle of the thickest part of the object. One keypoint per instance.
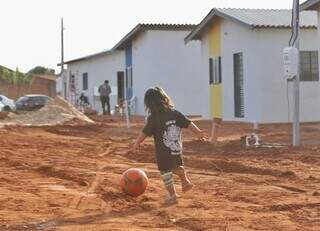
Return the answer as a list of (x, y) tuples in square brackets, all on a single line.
[(238, 85), (120, 76)]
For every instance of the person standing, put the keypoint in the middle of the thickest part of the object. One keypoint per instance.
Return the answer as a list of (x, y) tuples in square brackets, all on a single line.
[(105, 91)]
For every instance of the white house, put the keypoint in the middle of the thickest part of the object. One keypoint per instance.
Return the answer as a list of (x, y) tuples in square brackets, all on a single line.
[(149, 55), (313, 5), (86, 74), (157, 56), (243, 64)]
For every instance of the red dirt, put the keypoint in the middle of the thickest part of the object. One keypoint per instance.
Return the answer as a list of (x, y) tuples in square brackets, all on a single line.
[(66, 178)]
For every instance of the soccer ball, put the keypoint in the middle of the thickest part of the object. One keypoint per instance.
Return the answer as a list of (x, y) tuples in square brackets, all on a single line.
[(134, 182)]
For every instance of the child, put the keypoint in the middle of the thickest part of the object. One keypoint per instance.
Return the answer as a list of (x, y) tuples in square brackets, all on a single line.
[(164, 124)]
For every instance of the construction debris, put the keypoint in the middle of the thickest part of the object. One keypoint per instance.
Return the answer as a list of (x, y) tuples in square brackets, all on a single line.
[(56, 111)]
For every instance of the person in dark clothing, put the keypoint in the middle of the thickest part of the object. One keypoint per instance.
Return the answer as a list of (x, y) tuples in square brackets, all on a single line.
[(84, 99), (105, 91), (165, 124)]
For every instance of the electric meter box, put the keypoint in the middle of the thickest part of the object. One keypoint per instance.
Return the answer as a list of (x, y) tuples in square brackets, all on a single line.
[(291, 62)]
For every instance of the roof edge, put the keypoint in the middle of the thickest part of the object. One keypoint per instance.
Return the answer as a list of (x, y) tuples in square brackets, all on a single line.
[(310, 5), (146, 27), (127, 37), (107, 52), (214, 12)]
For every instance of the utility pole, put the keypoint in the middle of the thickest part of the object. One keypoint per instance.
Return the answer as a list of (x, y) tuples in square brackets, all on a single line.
[(60, 82), (296, 80), (62, 47)]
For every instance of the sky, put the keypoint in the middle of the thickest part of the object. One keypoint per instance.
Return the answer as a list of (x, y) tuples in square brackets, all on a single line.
[(30, 29)]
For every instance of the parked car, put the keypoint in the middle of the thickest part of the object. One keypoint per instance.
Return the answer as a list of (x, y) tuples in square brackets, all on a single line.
[(31, 102), (7, 104)]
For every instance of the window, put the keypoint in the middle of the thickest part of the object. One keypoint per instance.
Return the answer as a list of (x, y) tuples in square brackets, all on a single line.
[(215, 75), (309, 66), (85, 81), (238, 85)]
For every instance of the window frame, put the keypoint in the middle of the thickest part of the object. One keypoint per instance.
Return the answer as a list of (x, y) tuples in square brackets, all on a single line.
[(85, 84), (239, 103), (308, 65), (215, 70)]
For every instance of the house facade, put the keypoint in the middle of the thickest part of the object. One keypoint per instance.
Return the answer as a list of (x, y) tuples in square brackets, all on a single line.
[(149, 55), (157, 56), (86, 74), (313, 5), (243, 65)]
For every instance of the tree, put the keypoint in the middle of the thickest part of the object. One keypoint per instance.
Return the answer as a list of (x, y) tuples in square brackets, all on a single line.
[(39, 70), (15, 77), (6, 75)]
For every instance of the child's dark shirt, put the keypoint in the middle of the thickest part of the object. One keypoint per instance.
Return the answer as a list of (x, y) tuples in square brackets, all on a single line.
[(165, 128)]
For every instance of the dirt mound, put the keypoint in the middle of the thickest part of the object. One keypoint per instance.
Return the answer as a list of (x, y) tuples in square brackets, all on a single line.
[(56, 111), (3, 115)]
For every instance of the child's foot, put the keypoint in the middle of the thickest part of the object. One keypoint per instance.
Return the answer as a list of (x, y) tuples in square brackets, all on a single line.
[(187, 187), (172, 200)]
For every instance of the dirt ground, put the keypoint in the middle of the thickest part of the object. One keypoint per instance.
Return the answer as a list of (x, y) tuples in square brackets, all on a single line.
[(66, 178)]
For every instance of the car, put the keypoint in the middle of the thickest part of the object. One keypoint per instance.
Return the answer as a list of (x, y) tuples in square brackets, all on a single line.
[(31, 102), (7, 104)]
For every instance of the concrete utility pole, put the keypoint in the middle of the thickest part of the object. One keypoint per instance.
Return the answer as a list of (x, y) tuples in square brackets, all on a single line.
[(62, 50), (60, 88), (62, 47), (296, 80)]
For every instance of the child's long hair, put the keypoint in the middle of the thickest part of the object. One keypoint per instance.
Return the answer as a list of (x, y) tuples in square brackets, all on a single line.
[(156, 100)]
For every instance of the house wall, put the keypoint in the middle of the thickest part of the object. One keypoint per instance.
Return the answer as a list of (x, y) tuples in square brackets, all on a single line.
[(99, 69), (237, 38), (161, 58), (274, 85), (265, 96), (216, 99), (207, 91), (319, 34)]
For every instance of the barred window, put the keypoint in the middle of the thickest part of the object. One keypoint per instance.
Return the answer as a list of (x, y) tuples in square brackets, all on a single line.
[(309, 66)]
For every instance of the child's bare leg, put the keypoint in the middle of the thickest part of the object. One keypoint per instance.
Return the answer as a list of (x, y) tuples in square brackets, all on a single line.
[(167, 178), (186, 184)]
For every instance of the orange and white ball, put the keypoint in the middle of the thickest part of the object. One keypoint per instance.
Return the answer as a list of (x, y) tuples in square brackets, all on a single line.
[(134, 182)]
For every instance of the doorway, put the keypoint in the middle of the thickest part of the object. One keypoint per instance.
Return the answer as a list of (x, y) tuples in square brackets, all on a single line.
[(120, 78)]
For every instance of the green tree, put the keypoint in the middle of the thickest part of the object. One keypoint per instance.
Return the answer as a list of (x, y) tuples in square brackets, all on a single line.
[(6, 75), (39, 70), (15, 77)]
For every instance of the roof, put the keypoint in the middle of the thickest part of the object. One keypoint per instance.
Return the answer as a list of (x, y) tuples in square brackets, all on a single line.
[(254, 18), (145, 27), (106, 52), (132, 34), (310, 5)]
